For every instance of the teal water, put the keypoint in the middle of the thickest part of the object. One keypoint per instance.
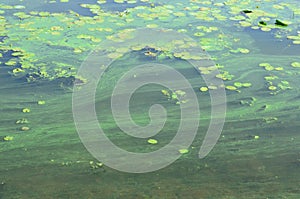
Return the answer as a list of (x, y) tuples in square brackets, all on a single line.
[(257, 155)]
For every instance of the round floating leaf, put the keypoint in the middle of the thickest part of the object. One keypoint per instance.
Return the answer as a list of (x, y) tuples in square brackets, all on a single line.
[(238, 84), (231, 88), (272, 88), (295, 64), (203, 89), (152, 141), (183, 151)]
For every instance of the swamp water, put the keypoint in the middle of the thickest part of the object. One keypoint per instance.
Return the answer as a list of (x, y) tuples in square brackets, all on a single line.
[(44, 44)]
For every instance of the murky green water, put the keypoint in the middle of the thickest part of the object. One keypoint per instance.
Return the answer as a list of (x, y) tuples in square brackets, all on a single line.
[(43, 45)]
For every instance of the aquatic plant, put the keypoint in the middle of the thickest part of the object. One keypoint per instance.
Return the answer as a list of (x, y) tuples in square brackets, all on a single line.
[(152, 141), (231, 88), (24, 128), (183, 151), (204, 89), (41, 102), (8, 138), (25, 110)]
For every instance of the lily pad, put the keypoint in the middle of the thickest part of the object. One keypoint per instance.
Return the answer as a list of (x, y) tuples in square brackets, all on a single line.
[(183, 151), (152, 141), (295, 64), (203, 89), (272, 88), (231, 88)]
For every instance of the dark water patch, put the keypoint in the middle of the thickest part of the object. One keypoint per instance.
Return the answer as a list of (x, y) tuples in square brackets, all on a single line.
[(2, 186), (110, 5), (2, 38), (268, 44), (74, 5)]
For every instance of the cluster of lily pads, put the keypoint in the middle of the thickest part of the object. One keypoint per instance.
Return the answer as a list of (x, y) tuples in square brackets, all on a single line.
[(23, 122), (273, 82), (48, 45), (177, 96)]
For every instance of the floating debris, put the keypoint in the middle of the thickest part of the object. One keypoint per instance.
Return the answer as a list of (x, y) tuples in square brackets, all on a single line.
[(247, 11), (280, 23), (262, 23)]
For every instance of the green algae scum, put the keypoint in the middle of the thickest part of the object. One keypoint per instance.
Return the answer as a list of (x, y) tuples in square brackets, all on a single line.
[(250, 50)]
